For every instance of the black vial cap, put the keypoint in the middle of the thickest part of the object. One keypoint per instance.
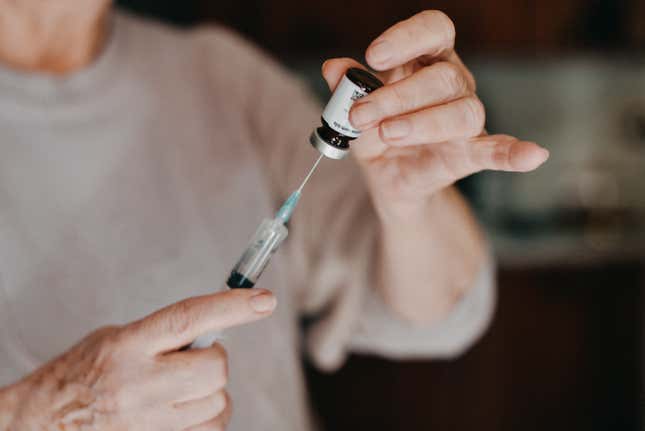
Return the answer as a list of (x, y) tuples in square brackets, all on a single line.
[(363, 79)]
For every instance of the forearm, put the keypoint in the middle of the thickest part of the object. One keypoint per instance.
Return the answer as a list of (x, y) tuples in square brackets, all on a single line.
[(9, 403), (423, 131), (430, 255)]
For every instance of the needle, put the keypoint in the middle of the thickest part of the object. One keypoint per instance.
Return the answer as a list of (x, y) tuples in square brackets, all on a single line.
[(285, 211), (309, 174)]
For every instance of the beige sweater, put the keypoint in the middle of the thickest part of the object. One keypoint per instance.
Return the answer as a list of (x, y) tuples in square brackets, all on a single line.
[(137, 182)]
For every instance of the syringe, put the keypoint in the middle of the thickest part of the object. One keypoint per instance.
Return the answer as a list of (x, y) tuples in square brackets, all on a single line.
[(262, 246), (266, 241), (331, 140)]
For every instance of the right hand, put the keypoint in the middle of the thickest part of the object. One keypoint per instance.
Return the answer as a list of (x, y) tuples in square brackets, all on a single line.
[(135, 377)]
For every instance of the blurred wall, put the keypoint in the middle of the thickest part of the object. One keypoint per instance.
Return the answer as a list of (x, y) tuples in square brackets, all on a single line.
[(291, 28)]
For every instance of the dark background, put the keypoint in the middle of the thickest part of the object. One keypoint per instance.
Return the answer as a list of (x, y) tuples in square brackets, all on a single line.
[(290, 28), (565, 349)]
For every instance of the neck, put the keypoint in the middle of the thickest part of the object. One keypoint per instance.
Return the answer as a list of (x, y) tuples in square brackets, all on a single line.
[(56, 37)]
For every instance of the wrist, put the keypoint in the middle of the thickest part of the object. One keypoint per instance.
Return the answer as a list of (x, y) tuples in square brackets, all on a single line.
[(431, 252), (407, 213)]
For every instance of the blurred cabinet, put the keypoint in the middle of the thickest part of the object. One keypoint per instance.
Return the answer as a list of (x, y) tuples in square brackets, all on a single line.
[(563, 353)]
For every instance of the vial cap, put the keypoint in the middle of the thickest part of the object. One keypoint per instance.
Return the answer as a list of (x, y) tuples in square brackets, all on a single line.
[(364, 79)]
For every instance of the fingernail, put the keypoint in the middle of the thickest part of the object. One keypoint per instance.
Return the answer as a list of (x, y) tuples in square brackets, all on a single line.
[(542, 155), (263, 302), (396, 129), (380, 52), (362, 114)]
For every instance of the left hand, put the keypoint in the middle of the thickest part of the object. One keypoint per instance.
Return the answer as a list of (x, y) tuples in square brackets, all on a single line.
[(424, 129)]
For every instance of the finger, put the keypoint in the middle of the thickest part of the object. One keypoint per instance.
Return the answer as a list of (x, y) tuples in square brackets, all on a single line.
[(433, 85), (179, 324), (200, 411), (454, 59), (216, 424), (506, 153), (463, 118), (194, 373), (429, 33), (369, 145), (334, 69)]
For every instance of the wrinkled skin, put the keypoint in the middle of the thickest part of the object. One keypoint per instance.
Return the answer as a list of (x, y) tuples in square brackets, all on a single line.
[(137, 377)]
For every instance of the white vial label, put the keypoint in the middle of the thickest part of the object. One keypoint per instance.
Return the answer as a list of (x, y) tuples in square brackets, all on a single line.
[(336, 113)]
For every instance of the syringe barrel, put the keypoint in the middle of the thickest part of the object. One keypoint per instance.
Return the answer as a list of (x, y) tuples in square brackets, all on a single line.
[(255, 258)]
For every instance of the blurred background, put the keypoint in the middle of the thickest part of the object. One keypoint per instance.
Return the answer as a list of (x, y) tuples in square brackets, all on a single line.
[(565, 351)]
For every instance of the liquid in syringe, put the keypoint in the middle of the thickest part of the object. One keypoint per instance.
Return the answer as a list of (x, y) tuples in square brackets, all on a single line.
[(265, 241)]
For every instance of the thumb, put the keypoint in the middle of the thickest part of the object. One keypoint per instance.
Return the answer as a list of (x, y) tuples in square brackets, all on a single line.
[(182, 322), (505, 153)]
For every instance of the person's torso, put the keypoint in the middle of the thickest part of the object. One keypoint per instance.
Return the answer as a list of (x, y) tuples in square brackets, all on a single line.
[(113, 207)]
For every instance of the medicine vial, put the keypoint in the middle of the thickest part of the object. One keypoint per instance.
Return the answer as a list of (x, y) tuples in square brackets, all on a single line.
[(333, 137)]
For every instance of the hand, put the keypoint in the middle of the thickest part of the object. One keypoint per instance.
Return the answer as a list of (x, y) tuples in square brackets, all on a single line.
[(134, 377), (424, 129)]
